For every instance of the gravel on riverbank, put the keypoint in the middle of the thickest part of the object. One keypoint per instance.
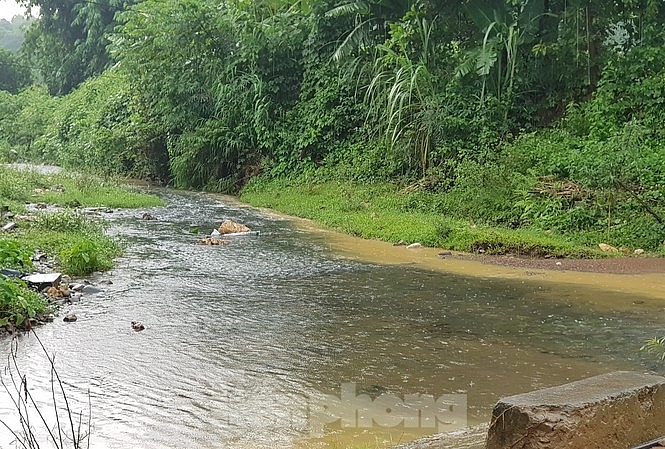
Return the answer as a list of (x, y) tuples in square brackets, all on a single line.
[(618, 265)]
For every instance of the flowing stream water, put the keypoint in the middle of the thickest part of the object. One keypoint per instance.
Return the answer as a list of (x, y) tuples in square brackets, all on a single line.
[(241, 340)]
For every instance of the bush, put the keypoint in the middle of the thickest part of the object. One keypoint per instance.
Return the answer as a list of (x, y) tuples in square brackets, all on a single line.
[(84, 257), (17, 302), (14, 256)]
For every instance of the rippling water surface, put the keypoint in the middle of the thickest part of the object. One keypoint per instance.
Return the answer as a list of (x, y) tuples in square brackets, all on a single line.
[(239, 338)]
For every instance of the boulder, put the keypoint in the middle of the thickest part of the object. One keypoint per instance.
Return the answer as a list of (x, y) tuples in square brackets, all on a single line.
[(611, 411), (231, 227), (70, 318)]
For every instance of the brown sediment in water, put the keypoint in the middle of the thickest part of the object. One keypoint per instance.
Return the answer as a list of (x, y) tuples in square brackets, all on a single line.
[(639, 276)]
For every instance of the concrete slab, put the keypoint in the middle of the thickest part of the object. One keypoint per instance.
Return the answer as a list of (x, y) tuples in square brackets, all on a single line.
[(611, 411), (43, 280)]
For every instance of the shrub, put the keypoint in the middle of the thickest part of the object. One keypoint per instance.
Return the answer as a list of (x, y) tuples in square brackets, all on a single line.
[(14, 256), (17, 303), (84, 257)]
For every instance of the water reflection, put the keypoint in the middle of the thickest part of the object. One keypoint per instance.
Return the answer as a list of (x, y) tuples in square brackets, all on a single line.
[(240, 337)]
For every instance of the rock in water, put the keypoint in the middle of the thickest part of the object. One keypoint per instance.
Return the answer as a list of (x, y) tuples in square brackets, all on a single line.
[(231, 227), (137, 326), (212, 241), (414, 245), (70, 318)]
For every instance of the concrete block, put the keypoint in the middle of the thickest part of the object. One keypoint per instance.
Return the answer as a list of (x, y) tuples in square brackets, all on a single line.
[(612, 411), (43, 280)]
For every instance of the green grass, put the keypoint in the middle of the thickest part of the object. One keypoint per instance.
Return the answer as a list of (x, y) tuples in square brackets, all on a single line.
[(380, 211), (18, 187), (76, 241)]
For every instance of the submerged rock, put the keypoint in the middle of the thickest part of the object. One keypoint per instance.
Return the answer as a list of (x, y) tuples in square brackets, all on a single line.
[(212, 241), (91, 290)]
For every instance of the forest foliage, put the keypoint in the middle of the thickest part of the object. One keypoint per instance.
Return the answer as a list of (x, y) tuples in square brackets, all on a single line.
[(543, 115)]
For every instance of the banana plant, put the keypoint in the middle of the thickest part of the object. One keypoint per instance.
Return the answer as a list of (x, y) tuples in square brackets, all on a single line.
[(504, 30), (370, 18)]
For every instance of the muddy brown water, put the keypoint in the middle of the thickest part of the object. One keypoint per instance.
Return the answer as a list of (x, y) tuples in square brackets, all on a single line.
[(241, 340)]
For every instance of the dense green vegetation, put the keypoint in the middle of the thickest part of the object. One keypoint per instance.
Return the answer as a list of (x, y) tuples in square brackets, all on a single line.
[(76, 241), (516, 125)]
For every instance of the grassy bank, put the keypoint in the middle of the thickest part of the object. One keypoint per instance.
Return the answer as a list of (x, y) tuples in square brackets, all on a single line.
[(387, 212), (76, 241)]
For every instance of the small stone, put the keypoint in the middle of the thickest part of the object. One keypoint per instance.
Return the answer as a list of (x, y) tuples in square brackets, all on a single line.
[(638, 252), (148, 216), (211, 241), (40, 257), (10, 273), (443, 254), (137, 326), (624, 250), (414, 245), (400, 243), (607, 248), (9, 226), (70, 318), (76, 287), (41, 206), (106, 282), (558, 264)]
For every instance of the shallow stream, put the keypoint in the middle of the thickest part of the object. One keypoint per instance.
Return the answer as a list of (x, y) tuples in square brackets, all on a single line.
[(242, 339)]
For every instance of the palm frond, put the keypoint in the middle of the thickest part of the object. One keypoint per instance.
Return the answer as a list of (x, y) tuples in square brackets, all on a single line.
[(347, 9)]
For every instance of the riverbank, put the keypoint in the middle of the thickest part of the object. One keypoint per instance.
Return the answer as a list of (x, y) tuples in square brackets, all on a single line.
[(387, 212), (48, 223), (366, 236)]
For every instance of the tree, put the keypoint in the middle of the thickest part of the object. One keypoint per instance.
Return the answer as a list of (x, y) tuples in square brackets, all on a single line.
[(13, 74), (68, 43), (12, 33)]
